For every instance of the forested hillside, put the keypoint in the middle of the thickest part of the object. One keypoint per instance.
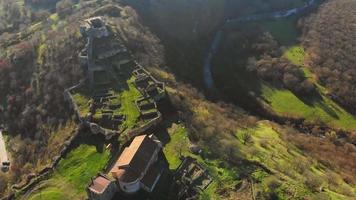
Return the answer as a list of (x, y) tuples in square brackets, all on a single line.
[(35, 69), (330, 39), (261, 70)]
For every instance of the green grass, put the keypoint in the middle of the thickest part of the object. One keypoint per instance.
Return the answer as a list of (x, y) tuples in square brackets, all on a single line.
[(52, 193), (40, 53), (268, 147), (72, 175), (55, 21), (285, 103), (128, 106), (83, 103), (179, 144), (126, 97), (295, 55), (54, 17), (224, 177), (324, 110), (267, 143)]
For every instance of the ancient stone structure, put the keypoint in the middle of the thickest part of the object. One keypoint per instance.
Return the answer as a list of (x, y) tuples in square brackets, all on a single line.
[(191, 178), (108, 64), (148, 85), (92, 29)]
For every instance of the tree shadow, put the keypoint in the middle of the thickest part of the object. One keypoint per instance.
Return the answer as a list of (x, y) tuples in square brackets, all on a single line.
[(315, 99), (86, 137), (171, 116)]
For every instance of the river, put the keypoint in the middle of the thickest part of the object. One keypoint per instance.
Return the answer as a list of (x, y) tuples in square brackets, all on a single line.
[(208, 77)]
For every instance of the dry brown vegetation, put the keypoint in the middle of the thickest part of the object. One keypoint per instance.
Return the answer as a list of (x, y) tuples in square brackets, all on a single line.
[(329, 36), (34, 75), (339, 157), (213, 125), (277, 70), (37, 117), (39, 120), (138, 39)]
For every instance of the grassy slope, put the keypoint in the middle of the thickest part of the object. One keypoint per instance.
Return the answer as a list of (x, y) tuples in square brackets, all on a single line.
[(72, 175), (83, 103), (179, 145), (287, 163), (266, 145), (284, 102)]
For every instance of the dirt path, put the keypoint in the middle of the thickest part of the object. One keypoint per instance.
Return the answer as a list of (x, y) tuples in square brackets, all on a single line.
[(3, 152)]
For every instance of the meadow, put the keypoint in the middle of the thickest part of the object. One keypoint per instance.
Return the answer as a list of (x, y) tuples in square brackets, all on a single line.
[(72, 175)]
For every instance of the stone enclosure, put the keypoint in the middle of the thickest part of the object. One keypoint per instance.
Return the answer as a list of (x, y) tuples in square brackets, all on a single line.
[(118, 95)]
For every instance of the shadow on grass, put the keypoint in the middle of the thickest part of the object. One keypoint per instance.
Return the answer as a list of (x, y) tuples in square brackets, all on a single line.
[(171, 116), (316, 100), (90, 139)]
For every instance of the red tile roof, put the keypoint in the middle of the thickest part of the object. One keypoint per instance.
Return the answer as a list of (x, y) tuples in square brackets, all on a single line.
[(99, 184), (134, 159)]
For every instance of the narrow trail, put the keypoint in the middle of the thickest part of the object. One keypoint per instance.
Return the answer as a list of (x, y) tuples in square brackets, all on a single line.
[(208, 77), (3, 152)]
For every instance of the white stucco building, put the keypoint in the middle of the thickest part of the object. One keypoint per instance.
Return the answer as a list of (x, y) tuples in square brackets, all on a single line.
[(101, 188), (137, 167)]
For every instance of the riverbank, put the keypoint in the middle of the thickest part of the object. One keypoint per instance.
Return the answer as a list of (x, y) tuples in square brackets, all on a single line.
[(208, 76)]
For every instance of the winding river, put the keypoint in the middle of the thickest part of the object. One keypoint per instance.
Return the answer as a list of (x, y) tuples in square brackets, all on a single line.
[(208, 77)]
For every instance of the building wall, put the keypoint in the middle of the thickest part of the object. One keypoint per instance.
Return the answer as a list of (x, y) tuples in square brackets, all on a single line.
[(130, 187), (136, 186), (108, 194), (153, 186)]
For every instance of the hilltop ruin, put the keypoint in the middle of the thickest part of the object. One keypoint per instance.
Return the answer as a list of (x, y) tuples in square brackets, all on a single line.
[(113, 79)]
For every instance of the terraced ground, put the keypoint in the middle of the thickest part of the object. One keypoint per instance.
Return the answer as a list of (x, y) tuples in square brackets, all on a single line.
[(127, 98)]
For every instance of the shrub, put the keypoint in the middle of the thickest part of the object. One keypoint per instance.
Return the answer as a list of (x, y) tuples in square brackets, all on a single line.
[(246, 136), (3, 183), (313, 182), (273, 183)]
